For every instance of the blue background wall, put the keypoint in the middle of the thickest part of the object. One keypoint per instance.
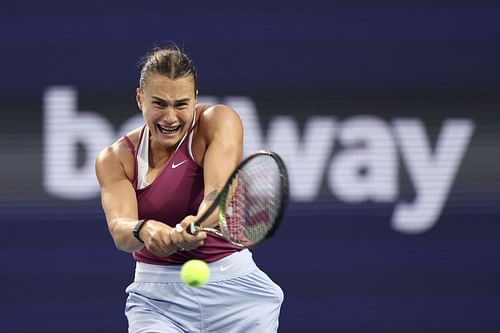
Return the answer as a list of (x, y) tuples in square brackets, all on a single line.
[(342, 264)]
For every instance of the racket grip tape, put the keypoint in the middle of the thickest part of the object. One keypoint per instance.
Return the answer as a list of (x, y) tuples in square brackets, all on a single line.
[(191, 229)]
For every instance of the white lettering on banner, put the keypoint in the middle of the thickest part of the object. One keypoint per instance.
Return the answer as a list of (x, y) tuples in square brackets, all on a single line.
[(432, 174), (367, 169), (64, 129), (306, 158), (364, 166)]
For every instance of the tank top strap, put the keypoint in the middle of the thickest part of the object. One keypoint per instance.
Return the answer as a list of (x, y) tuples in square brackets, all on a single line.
[(194, 123), (134, 151), (129, 144), (187, 141)]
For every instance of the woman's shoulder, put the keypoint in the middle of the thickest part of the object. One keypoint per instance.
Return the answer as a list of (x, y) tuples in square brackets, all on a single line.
[(217, 115), (215, 121), (118, 159), (122, 150), (131, 137)]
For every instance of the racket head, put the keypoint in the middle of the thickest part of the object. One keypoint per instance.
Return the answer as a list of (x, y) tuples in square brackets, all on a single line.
[(253, 200)]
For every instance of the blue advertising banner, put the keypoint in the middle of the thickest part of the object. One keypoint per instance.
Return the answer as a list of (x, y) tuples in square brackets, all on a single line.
[(387, 115)]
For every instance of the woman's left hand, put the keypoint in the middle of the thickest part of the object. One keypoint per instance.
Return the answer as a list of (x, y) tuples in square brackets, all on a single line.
[(184, 240)]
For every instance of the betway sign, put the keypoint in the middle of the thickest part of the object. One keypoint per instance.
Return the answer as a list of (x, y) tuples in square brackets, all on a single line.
[(365, 166)]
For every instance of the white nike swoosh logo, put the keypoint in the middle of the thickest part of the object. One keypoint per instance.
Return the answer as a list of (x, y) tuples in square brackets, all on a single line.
[(225, 268), (178, 164)]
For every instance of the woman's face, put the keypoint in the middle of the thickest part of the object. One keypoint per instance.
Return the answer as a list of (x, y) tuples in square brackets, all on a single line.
[(167, 107)]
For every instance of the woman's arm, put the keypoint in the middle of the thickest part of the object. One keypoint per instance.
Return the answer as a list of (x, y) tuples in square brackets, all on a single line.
[(222, 132), (120, 206), (224, 138)]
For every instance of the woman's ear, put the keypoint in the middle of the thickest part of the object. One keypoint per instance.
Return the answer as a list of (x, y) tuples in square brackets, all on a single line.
[(138, 98)]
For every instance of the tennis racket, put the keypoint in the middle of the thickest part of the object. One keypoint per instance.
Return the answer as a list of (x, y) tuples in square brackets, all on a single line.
[(251, 203)]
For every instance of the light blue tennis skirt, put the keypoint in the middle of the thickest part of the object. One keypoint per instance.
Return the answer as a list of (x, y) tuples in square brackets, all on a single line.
[(238, 297)]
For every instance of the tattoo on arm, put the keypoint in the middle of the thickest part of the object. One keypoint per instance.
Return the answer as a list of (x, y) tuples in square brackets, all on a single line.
[(210, 197)]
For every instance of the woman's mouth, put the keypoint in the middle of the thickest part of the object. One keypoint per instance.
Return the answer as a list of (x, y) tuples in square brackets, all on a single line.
[(168, 129)]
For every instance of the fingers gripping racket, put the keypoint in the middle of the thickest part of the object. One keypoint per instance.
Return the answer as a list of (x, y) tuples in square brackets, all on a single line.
[(251, 203)]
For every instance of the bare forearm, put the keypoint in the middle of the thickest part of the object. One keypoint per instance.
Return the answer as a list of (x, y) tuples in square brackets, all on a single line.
[(156, 235), (122, 232), (205, 205)]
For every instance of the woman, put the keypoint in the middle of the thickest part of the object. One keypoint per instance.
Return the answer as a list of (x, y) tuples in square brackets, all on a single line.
[(168, 172)]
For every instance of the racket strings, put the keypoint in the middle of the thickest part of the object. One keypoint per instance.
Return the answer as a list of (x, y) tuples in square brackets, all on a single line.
[(253, 201)]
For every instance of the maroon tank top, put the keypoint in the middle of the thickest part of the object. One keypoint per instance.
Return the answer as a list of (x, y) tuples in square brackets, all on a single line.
[(176, 192)]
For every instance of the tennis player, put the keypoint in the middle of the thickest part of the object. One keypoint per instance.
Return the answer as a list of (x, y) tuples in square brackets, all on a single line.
[(168, 172)]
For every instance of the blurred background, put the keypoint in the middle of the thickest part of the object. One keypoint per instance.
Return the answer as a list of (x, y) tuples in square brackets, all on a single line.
[(387, 114)]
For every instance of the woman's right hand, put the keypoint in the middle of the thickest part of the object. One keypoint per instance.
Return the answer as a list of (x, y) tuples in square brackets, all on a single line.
[(157, 237)]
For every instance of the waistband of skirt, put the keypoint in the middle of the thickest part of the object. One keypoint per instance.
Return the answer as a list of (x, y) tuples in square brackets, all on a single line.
[(234, 265)]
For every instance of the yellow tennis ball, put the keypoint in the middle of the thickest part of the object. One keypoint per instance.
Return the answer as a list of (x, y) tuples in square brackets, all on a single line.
[(195, 273)]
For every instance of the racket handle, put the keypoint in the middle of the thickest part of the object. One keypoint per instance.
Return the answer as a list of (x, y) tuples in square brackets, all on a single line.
[(191, 229)]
